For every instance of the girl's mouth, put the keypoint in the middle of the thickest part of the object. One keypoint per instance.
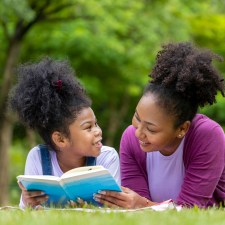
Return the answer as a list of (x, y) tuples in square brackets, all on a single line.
[(98, 144)]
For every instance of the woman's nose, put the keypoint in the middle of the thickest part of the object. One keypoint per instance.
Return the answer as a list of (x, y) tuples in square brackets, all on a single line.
[(139, 132)]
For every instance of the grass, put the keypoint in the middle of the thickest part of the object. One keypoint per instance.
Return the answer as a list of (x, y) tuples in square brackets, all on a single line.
[(193, 216)]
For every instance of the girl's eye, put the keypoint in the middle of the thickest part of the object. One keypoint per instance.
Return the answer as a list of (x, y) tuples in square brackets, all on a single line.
[(88, 128)]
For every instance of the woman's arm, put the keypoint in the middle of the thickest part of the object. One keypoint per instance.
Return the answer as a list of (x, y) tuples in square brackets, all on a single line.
[(133, 164), (205, 162)]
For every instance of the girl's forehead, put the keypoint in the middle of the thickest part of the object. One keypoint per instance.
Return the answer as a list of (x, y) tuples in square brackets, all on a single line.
[(85, 113)]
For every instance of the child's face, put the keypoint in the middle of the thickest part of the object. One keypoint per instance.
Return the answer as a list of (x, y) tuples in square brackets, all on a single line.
[(85, 135)]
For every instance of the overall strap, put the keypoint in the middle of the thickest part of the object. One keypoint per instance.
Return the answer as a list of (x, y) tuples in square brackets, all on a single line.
[(90, 161), (45, 160)]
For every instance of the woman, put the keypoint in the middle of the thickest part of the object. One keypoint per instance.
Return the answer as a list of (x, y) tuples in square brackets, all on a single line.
[(170, 151)]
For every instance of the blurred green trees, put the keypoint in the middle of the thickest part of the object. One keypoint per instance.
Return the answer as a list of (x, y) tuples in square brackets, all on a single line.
[(112, 46)]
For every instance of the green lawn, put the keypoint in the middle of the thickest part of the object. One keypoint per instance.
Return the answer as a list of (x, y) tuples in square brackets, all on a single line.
[(185, 217)]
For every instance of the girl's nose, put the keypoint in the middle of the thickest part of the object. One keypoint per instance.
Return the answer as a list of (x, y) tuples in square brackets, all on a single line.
[(97, 131)]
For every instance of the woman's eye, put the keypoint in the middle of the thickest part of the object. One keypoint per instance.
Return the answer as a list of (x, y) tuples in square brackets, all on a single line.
[(150, 130), (137, 118)]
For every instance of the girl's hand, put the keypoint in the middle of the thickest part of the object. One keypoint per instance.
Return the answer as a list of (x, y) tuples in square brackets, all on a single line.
[(79, 203), (32, 199), (126, 199)]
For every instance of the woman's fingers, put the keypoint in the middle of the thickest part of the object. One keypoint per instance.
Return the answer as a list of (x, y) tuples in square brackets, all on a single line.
[(125, 199), (110, 201)]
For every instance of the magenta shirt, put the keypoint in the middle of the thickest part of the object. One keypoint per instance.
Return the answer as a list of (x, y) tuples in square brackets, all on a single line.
[(204, 162)]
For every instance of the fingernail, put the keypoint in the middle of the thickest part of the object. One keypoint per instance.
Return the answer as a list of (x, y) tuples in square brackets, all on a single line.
[(96, 199), (96, 195), (102, 192)]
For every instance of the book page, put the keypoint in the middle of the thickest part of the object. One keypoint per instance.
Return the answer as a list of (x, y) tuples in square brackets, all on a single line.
[(89, 183), (38, 177), (82, 170)]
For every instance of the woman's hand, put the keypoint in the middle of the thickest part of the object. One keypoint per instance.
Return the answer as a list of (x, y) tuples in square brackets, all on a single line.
[(126, 199), (32, 199)]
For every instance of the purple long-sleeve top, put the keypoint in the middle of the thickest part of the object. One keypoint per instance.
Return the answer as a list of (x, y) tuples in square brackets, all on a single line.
[(204, 162)]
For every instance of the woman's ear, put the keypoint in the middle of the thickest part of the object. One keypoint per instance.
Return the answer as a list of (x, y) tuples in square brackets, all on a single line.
[(183, 129), (59, 139)]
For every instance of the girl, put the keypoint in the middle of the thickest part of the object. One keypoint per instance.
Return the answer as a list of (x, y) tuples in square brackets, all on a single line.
[(49, 99)]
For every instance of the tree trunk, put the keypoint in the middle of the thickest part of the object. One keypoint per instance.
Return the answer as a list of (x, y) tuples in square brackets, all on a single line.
[(6, 121), (31, 138), (115, 119), (5, 140)]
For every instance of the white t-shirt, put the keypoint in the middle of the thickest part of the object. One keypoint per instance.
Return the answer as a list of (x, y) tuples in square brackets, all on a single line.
[(108, 158), (165, 174)]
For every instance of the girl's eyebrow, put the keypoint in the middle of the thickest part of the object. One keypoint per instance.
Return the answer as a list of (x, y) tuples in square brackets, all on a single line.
[(149, 123), (84, 122), (88, 121)]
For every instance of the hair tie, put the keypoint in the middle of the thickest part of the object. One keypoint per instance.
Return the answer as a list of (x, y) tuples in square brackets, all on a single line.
[(58, 84)]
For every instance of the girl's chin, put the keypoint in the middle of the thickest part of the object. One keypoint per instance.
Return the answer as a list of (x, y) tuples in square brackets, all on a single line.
[(97, 151)]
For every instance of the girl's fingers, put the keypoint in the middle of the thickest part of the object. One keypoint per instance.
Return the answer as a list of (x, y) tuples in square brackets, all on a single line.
[(20, 185)]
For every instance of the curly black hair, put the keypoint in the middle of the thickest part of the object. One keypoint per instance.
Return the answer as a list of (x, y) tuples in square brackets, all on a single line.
[(184, 79), (48, 97)]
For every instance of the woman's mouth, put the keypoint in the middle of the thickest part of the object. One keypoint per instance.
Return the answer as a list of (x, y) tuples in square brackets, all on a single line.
[(142, 143)]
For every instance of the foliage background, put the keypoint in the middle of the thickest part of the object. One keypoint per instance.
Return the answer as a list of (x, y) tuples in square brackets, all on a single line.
[(112, 45)]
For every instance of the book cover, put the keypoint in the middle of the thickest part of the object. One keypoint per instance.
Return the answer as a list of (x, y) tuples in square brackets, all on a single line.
[(81, 182)]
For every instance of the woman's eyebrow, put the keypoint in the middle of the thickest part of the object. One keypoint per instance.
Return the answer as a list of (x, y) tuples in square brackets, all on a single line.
[(147, 122)]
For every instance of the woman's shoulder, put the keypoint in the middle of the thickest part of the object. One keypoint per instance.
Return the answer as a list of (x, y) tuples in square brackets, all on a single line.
[(203, 135), (130, 130), (202, 124)]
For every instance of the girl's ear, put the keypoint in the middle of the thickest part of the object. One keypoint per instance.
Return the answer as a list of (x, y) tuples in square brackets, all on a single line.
[(59, 139), (183, 129)]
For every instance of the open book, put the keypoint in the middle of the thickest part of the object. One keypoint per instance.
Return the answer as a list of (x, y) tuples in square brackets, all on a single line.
[(80, 182)]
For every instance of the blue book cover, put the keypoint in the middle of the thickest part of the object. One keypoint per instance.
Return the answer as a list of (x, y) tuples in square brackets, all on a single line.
[(81, 182)]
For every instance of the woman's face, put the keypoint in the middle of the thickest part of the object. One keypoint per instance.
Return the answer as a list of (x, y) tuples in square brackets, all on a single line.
[(154, 128)]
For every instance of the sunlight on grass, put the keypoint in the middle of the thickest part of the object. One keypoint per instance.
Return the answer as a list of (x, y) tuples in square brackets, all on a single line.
[(51, 217)]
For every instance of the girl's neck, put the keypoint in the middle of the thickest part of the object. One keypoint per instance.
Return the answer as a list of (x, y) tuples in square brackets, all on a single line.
[(67, 164)]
